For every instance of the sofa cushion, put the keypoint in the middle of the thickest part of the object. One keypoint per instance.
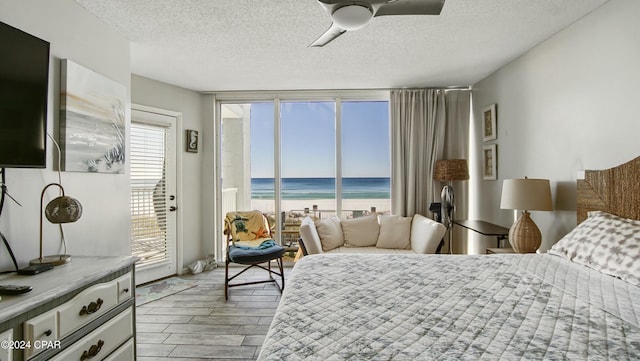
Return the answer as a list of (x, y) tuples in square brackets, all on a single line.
[(361, 232), (330, 233), (395, 232), (426, 234)]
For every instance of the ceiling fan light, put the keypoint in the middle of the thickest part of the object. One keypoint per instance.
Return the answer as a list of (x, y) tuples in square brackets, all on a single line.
[(352, 17)]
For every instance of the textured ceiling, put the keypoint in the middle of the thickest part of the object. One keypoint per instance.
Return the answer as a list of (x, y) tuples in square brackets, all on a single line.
[(213, 45)]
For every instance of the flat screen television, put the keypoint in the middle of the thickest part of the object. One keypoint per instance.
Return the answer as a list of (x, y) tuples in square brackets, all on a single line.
[(24, 78)]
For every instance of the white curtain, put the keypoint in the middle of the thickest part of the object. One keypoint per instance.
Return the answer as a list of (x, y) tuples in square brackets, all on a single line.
[(426, 125)]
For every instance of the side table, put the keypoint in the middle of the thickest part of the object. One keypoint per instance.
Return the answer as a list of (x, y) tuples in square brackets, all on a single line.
[(485, 229), (499, 250)]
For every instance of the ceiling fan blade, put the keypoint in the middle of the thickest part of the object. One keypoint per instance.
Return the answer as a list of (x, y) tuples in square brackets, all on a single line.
[(411, 7), (333, 32)]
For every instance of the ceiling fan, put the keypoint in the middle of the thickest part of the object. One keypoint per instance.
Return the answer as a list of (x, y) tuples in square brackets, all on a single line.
[(353, 15)]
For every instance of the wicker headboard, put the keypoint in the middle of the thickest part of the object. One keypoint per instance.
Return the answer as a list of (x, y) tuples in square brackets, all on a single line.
[(615, 190)]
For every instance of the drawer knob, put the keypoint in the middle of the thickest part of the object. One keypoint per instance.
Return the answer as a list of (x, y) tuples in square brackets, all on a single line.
[(47, 333), (126, 290), (92, 307), (93, 350)]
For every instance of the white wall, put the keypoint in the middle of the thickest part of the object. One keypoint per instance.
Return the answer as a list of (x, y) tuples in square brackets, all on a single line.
[(104, 228), (145, 91), (567, 105)]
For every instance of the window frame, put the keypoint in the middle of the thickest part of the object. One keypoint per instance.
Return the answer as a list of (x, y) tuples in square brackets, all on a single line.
[(278, 97)]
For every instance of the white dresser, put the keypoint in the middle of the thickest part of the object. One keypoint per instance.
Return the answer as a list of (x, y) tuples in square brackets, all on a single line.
[(83, 310)]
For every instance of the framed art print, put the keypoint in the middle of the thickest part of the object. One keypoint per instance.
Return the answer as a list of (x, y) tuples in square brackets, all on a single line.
[(489, 131), (192, 141), (489, 155), (92, 121)]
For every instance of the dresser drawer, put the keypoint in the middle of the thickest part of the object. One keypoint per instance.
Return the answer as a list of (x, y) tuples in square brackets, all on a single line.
[(102, 341), (86, 306), (124, 353), (43, 329), (6, 354), (125, 287)]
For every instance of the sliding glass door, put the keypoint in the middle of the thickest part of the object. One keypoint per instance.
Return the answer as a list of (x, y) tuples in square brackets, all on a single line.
[(308, 163), (366, 158), (296, 158)]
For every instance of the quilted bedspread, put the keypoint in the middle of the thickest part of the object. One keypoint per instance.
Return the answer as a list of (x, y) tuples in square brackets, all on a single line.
[(424, 307)]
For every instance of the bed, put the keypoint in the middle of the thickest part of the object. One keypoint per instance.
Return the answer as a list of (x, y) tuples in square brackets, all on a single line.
[(579, 301)]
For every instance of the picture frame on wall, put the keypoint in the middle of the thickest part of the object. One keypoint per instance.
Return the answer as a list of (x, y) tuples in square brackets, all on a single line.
[(92, 121), (489, 131), (489, 164), (192, 141)]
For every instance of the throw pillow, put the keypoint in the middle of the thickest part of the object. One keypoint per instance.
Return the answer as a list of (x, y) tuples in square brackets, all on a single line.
[(330, 233), (604, 242), (361, 232), (395, 232)]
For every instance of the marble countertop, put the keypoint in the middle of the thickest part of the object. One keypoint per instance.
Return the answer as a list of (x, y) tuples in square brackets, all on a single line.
[(63, 279)]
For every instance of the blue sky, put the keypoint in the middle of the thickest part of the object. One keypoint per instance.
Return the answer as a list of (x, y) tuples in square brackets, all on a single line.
[(308, 139)]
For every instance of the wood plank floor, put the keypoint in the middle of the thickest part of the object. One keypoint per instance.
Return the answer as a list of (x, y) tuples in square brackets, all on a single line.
[(198, 324)]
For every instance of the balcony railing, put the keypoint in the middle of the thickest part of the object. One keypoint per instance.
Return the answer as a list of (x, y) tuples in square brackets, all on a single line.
[(290, 231)]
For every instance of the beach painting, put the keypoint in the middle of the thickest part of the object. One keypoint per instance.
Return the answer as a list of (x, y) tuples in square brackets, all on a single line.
[(92, 121)]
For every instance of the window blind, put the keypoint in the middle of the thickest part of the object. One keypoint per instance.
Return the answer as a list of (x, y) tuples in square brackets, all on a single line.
[(148, 193)]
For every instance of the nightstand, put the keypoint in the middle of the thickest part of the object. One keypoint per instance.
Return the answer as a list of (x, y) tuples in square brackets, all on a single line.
[(499, 250)]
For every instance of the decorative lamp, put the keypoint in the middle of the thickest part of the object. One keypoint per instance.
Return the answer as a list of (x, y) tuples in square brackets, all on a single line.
[(525, 194), (62, 209), (449, 170)]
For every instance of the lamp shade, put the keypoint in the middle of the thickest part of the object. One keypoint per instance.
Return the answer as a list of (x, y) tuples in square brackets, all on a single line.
[(526, 194), (451, 170), (63, 209)]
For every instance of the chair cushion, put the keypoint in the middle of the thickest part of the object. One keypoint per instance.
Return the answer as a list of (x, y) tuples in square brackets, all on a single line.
[(250, 227), (253, 256)]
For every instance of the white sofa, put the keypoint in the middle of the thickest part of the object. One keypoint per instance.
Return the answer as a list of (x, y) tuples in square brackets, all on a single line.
[(371, 234)]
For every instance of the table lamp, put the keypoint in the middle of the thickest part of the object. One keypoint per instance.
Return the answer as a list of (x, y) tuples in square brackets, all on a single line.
[(63, 209), (449, 170), (525, 194)]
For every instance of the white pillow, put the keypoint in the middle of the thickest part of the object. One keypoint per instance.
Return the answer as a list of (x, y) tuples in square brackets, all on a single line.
[(604, 242), (330, 233), (361, 232), (395, 232)]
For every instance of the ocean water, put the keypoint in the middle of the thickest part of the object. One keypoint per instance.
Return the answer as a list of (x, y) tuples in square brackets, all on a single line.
[(322, 188)]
